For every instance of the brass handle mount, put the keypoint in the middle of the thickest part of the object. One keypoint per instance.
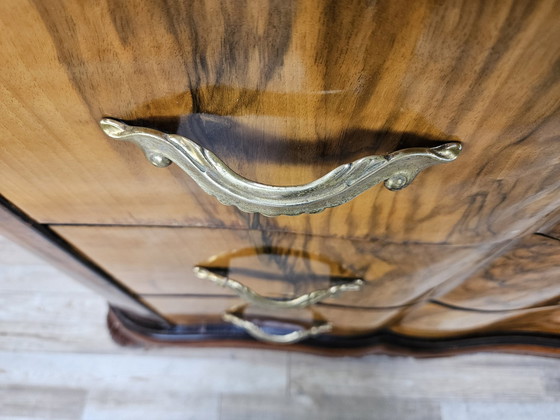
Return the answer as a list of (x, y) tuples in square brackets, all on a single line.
[(397, 170)]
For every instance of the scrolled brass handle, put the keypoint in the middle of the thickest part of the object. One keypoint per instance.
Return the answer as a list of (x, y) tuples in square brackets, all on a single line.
[(397, 170), (292, 337), (259, 300)]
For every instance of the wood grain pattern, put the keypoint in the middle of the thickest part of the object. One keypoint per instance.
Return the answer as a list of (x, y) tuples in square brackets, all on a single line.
[(527, 275), (160, 261), (436, 320), (283, 92), (35, 402)]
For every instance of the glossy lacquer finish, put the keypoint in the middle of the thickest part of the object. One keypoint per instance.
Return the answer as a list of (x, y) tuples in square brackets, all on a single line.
[(524, 276), (160, 261), (284, 92), (417, 290)]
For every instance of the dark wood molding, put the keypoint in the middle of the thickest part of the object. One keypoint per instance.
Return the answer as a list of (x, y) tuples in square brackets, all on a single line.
[(47, 244), (129, 330)]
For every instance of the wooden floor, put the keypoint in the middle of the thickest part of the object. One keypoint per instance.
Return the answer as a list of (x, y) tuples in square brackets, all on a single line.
[(58, 362)]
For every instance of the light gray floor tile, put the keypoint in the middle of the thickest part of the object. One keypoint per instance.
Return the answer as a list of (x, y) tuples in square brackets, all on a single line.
[(41, 402), (499, 411), (142, 372), (469, 376), (155, 405), (11, 254), (37, 278), (323, 407)]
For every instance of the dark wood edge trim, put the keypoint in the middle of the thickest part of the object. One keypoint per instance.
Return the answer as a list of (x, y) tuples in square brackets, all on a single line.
[(128, 330), (47, 244)]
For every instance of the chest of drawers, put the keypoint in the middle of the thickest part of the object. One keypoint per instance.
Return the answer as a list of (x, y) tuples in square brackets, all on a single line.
[(282, 93)]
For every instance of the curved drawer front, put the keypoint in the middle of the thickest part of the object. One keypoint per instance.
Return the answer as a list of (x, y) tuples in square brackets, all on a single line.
[(423, 320), (295, 91), (160, 261), (524, 276), (209, 311), (435, 320)]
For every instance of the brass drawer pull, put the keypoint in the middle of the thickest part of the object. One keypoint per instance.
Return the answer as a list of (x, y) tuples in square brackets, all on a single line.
[(339, 186), (253, 297), (293, 337)]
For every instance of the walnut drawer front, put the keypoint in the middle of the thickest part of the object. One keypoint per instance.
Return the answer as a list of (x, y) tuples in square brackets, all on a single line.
[(284, 107), (435, 320), (525, 276), (160, 261)]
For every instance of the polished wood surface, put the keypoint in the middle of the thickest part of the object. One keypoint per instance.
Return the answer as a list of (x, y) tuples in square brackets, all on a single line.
[(155, 260), (436, 320), (208, 310), (383, 342), (283, 92), (526, 275), (426, 328)]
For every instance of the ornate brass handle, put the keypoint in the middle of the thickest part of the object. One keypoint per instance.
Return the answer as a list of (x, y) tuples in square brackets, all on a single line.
[(253, 297), (339, 186), (290, 338)]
